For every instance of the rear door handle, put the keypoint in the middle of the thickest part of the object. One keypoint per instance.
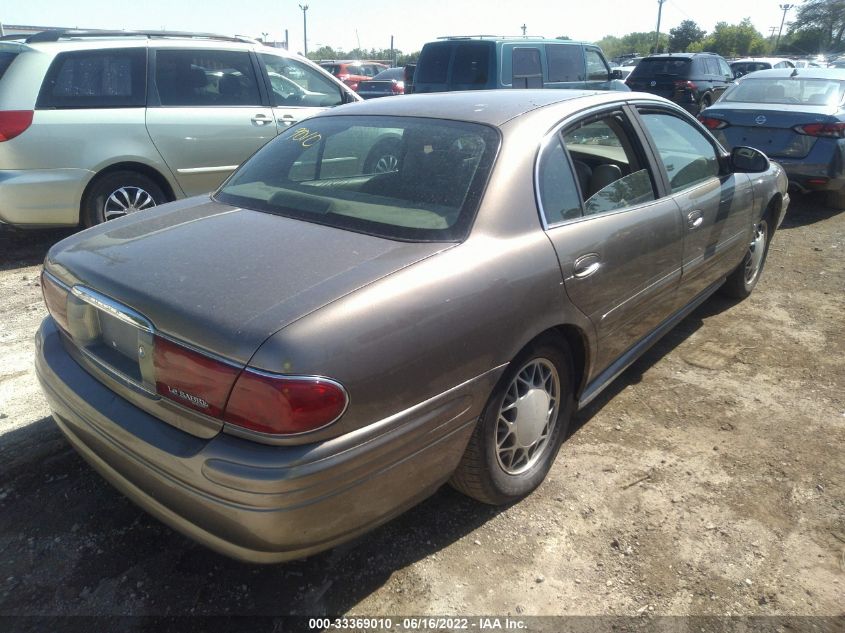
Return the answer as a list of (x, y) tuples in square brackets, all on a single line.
[(586, 265), (695, 219), (261, 119), (286, 119)]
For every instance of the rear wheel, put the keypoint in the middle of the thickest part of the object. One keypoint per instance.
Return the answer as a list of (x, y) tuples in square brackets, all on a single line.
[(741, 282), (521, 429), (119, 193)]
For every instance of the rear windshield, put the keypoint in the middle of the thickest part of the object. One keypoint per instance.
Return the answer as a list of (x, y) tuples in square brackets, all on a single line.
[(6, 59), (433, 64), (396, 177), (331, 68), (652, 66), (743, 68), (786, 91)]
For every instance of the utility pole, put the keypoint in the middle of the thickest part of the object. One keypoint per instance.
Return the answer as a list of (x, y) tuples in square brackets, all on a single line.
[(304, 8), (524, 29), (784, 8), (659, 15)]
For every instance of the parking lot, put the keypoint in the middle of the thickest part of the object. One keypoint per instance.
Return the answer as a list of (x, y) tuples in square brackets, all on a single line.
[(708, 479)]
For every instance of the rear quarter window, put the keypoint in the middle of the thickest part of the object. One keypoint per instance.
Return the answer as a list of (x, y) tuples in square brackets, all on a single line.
[(103, 78), (6, 59)]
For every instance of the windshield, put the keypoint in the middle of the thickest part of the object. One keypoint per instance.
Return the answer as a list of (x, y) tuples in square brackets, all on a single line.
[(786, 90), (396, 177), (651, 66)]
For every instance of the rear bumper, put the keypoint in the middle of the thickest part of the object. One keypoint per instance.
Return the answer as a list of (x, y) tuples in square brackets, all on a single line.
[(42, 197), (254, 502)]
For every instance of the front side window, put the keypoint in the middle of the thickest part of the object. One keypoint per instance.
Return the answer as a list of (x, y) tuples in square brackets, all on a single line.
[(396, 177), (295, 84), (597, 69), (610, 171), (96, 79), (688, 156), (205, 78)]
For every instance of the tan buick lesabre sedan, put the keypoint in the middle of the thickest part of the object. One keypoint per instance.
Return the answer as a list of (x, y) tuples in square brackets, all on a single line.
[(324, 341)]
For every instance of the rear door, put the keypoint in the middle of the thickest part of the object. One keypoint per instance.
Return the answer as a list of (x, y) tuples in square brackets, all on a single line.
[(208, 111), (715, 208), (618, 242)]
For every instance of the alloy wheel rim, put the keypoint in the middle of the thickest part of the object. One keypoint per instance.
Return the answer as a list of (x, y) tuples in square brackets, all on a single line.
[(527, 416), (127, 200), (386, 163), (755, 251)]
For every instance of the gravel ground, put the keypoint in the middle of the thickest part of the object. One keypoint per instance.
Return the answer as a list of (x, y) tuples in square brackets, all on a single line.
[(708, 480)]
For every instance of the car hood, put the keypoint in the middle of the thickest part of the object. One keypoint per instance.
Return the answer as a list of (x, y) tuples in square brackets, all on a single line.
[(223, 278)]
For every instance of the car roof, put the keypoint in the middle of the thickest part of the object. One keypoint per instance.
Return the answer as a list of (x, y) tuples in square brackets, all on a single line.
[(769, 60), (491, 107), (506, 39), (805, 73)]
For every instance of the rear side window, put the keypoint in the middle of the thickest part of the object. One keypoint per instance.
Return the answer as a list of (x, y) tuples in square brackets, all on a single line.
[(6, 59), (527, 69), (100, 78), (206, 78), (565, 62), (651, 67), (711, 66), (433, 64)]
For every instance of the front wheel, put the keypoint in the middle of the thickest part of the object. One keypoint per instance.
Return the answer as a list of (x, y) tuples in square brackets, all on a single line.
[(521, 429), (741, 282)]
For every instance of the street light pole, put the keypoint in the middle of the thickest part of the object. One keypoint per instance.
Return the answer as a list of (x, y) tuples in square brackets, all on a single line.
[(659, 15), (784, 8), (304, 8)]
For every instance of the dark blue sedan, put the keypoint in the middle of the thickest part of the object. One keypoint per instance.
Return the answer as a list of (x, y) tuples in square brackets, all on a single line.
[(796, 116)]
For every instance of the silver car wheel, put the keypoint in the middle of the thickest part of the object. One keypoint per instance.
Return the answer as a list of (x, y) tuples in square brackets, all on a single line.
[(527, 416), (386, 163), (756, 251), (127, 200)]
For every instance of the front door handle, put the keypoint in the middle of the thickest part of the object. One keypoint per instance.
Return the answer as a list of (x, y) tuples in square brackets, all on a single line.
[(586, 265), (286, 119), (260, 119), (695, 219)]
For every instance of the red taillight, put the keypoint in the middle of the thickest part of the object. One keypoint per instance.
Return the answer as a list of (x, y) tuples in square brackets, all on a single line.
[(712, 124), (13, 123), (830, 130), (685, 85), (55, 297), (192, 379), (397, 88), (278, 404)]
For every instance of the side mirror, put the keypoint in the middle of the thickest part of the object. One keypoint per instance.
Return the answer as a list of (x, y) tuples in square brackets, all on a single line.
[(616, 74), (748, 160)]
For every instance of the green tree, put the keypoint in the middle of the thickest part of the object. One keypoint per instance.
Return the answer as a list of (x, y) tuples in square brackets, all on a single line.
[(686, 33), (826, 18), (733, 40)]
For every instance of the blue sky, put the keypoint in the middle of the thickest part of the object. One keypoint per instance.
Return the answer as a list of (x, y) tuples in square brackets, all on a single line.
[(344, 23)]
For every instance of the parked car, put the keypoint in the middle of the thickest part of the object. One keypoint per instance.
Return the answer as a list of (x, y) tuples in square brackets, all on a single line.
[(747, 65), (488, 62), (387, 83), (692, 80), (300, 356), (795, 116), (352, 72), (95, 125), (807, 63)]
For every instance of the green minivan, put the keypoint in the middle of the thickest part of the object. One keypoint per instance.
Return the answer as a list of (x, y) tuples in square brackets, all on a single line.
[(486, 62)]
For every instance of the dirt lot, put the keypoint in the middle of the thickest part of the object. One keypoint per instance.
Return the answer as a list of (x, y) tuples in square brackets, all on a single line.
[(710, 479)]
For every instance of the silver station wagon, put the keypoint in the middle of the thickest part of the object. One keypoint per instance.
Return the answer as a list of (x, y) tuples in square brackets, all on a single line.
[(284, 364)]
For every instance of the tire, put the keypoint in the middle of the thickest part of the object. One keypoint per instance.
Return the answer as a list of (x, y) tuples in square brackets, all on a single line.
[(119, 193), (741, 282), (496, 467), (384, 157)]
